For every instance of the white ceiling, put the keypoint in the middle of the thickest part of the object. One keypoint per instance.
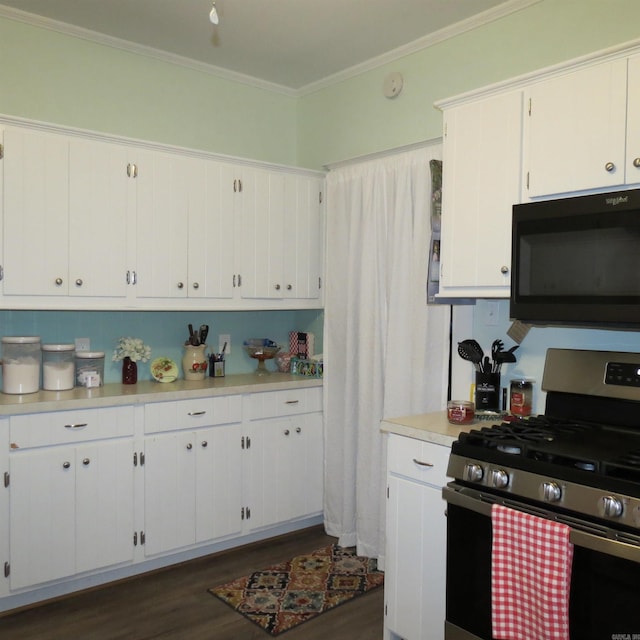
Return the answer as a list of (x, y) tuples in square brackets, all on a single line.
[(290, 44)]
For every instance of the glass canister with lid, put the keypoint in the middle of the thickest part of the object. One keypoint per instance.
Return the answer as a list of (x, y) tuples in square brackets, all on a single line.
[(90, 368), (58, 367), (21, 360)]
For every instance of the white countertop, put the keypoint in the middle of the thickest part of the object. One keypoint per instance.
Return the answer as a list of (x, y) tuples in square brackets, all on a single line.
[(430, 427), (111, 395)]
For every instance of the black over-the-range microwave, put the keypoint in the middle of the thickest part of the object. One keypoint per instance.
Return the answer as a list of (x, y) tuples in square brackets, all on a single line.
[(576, 260)]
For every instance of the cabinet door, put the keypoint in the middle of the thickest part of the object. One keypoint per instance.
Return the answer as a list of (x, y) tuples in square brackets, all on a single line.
[(36, 213), (42, 515), (303, 237), (633, 121), (261, 235), (170, 497), (99, 233), (415, 570), (165, 193), (218, 482), (211, 244), (104, 504), (286, 469), (481, 182), (575, 130)]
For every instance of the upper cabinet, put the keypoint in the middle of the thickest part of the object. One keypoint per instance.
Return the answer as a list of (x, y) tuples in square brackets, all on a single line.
[(93, 223), (550, 134), (481, 181), (65, 216), (576, 131)]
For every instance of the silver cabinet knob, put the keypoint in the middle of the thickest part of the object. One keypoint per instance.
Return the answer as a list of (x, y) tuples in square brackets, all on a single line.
[(189, 446), (504, 269), (86, 462), (180, 285), (58, 282), (289, 287), (611, 507), (204, 444), (298, 430), (609, 167), (196, 285), (277, 287), (550, 492), (79, 282), (636, 163), (286, 432), (66, 465)]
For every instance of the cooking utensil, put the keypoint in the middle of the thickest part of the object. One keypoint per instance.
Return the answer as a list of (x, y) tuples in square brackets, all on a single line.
[(203, 333), (470, 352), (193, 338), (496, 347)]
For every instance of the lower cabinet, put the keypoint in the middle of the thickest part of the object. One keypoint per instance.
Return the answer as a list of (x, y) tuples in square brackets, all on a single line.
[(415, 564), (71, 503), (285, 460), (192, 487), (95, 494)]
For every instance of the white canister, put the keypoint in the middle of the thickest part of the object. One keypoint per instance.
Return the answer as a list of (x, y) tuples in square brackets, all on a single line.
[(21, 359), (58, 367)]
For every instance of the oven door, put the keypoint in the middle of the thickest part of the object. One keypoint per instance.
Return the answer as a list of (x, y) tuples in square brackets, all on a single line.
[(605, 581)]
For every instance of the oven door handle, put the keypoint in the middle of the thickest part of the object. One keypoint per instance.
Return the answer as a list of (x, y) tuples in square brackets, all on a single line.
[(599, 544)]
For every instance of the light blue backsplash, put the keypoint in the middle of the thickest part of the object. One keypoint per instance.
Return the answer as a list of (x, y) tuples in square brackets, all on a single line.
[(164, 331), (531, 353)]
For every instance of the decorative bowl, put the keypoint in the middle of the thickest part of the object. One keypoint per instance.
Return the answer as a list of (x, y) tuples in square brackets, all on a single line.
[(261, 349)]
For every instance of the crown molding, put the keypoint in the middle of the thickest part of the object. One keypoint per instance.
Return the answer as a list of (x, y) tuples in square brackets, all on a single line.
[(461, 27)]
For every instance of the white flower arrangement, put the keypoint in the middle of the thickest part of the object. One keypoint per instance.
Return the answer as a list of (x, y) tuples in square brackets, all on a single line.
[(132, 348)]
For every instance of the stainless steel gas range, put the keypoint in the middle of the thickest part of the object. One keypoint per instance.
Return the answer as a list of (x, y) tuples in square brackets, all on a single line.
[(577, 465)]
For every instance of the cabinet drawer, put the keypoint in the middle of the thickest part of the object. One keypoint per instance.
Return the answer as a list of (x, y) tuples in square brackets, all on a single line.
[(273, 404), (193, 413), (423, 461), (64, 427)]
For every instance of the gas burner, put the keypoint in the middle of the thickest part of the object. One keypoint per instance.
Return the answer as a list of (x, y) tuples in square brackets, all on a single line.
[(520, 431)]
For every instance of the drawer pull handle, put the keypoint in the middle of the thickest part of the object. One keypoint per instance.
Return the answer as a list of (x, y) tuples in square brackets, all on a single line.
[(423, 464), (292, 401), (81, 425), (196, 413)]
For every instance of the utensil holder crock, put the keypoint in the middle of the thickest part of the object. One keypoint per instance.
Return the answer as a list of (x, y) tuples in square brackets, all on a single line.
[(194, 362)]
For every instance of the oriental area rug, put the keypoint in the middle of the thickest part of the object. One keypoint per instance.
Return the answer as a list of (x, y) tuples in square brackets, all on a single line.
[(285, 595)]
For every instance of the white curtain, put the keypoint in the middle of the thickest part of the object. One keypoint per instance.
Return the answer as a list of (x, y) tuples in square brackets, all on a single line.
[(386, 352)]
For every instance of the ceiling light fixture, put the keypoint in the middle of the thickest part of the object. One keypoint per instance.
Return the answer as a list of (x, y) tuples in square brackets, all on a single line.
[(213, 15)]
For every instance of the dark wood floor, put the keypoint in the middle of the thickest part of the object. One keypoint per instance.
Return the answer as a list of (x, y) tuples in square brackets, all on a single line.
[(174, 604)]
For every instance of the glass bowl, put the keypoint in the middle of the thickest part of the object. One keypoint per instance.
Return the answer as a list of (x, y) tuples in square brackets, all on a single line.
[(261, 349)]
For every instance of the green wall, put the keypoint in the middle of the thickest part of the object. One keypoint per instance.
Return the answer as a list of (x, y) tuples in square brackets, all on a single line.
[(65, 80), (353, 118)]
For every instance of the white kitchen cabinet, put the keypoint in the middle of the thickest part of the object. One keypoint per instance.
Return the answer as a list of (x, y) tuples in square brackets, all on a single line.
[(576, 130), (192, 471), (284, 456), (415, 564), (481, 182), (303, 234), (65, 216), (185, 227), (71, 493), (36, 213)]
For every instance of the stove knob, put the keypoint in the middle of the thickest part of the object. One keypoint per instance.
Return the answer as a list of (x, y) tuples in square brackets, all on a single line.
[(550, 492), (611, 507), (499, 478), (472, 472)]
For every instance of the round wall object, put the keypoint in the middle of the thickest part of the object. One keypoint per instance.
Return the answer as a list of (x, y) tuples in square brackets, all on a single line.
[(392, 85)]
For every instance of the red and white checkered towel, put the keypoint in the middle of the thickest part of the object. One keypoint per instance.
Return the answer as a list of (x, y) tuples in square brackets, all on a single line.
[(530, 577)]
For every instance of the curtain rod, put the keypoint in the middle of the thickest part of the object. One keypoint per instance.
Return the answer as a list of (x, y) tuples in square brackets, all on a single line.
[(381, 154)]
